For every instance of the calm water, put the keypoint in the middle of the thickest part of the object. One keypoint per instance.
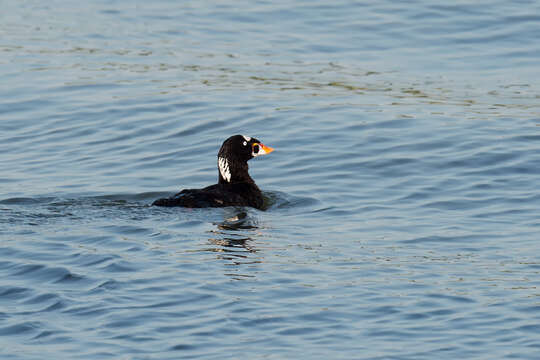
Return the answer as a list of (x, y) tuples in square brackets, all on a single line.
[(404, 187)]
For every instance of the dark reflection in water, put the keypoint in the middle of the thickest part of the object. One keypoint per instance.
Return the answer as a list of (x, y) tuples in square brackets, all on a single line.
[(233, 243), (240, 220)]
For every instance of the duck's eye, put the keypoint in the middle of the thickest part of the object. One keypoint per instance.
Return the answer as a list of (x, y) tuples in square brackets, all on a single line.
[(255, 148), (245, 143)]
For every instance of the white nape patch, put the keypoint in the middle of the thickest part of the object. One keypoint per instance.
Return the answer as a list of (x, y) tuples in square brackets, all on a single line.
[(247, 138), (223, 166)]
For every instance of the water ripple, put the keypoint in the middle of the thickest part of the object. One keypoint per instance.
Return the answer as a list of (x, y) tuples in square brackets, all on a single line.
[(402, 198)]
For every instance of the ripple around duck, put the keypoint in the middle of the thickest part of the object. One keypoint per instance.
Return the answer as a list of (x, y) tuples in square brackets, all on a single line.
[(281, 200), (27, 201)]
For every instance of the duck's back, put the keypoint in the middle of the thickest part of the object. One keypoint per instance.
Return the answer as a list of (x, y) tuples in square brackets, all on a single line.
[(218, 195)]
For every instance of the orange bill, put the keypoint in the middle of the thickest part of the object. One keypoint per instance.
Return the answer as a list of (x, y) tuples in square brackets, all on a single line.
[(265, 149)]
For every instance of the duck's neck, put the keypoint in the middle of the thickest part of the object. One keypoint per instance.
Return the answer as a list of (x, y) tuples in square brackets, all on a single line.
[(231, 171)]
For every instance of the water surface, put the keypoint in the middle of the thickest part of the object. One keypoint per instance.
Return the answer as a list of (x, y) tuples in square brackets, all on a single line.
[(403, 219)]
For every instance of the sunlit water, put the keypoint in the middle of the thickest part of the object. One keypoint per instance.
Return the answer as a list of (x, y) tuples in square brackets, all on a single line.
[(404, 200)]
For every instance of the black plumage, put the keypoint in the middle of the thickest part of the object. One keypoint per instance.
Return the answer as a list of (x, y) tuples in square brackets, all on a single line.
[(235, 187)]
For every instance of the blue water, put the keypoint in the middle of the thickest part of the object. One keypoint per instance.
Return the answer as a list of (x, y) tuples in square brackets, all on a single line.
[(404, 189)]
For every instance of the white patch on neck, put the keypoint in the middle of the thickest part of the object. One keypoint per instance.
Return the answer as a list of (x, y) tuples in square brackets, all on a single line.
[(247, 138), (223, 166)]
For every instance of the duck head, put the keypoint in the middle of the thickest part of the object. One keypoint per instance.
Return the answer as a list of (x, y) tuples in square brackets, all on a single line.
[(234, 154)]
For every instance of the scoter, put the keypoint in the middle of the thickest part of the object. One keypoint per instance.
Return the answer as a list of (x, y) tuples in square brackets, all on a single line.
[(235, 187)]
